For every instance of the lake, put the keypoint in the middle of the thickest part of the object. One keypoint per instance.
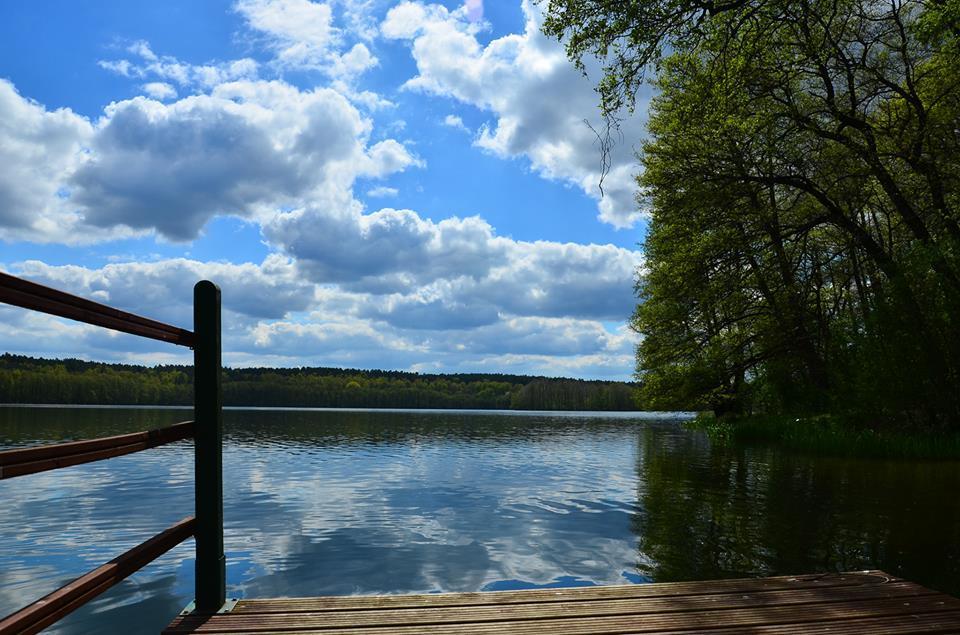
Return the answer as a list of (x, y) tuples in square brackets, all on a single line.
[(344, 502)]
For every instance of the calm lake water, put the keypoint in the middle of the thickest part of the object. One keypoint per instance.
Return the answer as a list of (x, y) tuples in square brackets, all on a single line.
[(335, 502)]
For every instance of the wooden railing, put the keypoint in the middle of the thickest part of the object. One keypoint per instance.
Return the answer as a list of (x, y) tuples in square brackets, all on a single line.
[(206, 526)]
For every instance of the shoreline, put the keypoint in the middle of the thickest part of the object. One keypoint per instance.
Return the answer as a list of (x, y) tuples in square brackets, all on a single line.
[(827, 435), (618, 414)]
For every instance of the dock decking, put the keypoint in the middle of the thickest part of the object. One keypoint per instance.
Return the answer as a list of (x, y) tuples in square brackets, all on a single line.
[(838, 604)]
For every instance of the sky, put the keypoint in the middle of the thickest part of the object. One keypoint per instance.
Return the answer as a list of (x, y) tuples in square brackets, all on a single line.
[(372, 184)]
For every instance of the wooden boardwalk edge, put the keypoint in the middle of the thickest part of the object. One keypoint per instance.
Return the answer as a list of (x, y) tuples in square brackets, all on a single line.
[(567, 594), (856, 602)]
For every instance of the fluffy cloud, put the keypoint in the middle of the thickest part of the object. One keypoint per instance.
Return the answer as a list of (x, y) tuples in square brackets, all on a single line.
[(554, 347), (39, 149), (532, 307), (540, 101), (170, 69), (389, 249), (173, 167), (535, 336), (593, 283), (474, 9), (360, 17), (382, 192), (455, 122), (455, 271), (160, 90), (302, 35), (327, 337), (563, 279), (245, 149), (301, 26), (164, 289)]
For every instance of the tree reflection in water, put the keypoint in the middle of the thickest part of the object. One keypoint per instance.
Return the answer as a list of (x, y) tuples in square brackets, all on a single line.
[(709, 512)]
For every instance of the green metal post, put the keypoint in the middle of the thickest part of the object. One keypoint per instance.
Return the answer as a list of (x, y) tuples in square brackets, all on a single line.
[(208, 439)]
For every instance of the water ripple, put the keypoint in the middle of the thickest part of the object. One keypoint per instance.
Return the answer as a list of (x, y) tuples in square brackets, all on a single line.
[(373, 502)]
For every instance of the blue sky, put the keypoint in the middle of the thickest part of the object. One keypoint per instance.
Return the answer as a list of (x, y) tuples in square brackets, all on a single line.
[(374, 184)]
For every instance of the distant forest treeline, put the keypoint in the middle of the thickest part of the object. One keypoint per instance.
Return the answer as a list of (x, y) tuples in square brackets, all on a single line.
[(73, 381)]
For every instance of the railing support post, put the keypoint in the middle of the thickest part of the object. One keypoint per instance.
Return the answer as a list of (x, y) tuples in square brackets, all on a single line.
[(208, 437)]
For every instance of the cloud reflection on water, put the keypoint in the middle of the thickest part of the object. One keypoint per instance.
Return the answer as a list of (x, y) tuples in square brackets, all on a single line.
[(329, 503)]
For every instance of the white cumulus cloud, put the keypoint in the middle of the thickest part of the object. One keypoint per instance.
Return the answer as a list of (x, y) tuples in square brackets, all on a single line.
[(455, 272), (302, 35), (541, 103), (160, 90), (273, 316), (170, 69), (455, 122), (382, 192), (39, 150), (245, 149)]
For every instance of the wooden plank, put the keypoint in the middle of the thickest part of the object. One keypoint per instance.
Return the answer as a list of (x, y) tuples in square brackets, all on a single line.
[(610, 606), (36, 616), (569, 594), (598, 616), (947, 622), (735, 620), (22, 461), (37, 297)]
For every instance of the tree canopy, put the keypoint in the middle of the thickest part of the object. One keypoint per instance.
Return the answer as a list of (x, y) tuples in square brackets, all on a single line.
[(802, 172)]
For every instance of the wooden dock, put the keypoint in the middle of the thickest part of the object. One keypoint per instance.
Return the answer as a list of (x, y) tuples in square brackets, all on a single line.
[(835, 604)]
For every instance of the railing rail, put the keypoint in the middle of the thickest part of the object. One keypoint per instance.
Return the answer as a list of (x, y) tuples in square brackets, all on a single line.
[(35, 617), (22, 461), (31, 295), (206, 429)]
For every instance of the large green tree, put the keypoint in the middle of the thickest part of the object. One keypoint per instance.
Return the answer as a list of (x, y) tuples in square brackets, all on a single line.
[(803, 172)]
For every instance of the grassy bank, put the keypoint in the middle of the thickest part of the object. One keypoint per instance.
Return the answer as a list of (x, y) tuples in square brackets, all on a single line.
[(829, 435)]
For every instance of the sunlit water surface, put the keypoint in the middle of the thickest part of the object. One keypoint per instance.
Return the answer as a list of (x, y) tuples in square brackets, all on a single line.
[(336, 502)]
